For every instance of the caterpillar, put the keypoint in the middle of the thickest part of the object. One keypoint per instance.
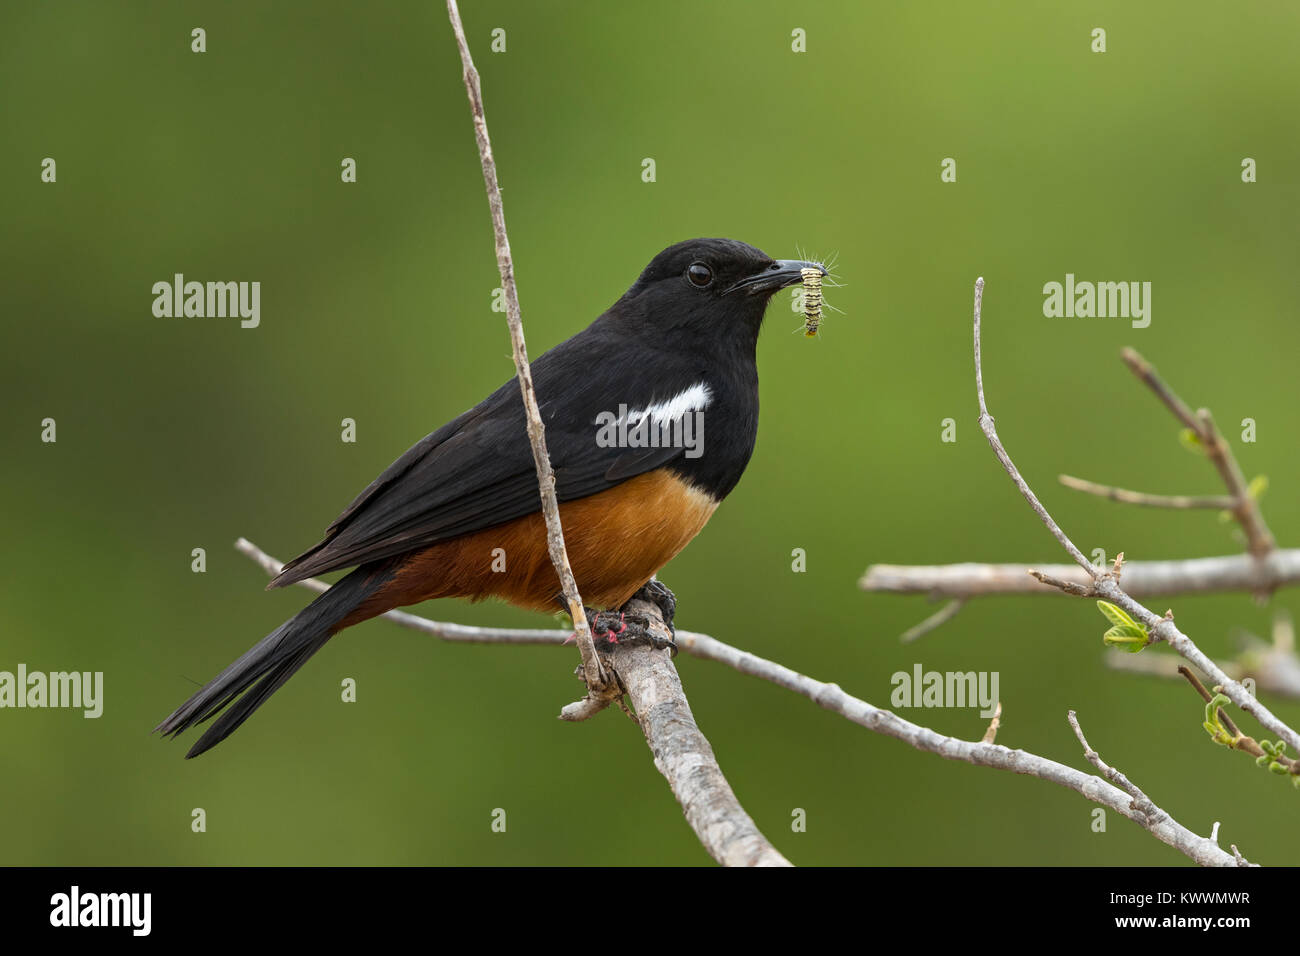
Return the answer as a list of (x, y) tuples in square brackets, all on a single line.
[(812, 301)]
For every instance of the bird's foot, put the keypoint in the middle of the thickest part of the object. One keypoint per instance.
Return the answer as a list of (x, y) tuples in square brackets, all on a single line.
[(657, 593), (610, 628)]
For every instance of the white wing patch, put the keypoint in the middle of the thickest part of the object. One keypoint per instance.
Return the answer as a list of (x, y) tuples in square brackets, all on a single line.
[(697, 397)]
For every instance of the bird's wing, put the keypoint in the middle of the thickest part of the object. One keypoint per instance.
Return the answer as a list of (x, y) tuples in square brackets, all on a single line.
[(477, 471)]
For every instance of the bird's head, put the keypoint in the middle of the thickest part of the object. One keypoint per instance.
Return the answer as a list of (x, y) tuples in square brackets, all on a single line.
[(713, 286)]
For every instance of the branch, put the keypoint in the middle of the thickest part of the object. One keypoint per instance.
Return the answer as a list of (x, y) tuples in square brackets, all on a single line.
[(1141, 802), (1244, 508), (935, 620), (1106, 583), (1123, 495), (1273, 664), (829, 696), (1229, 734), (1236, 572), (597, 682), (990, 433), (1261, 572), (681, 752)]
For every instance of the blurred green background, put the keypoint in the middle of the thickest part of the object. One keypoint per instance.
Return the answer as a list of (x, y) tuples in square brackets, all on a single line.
[(183, 433)]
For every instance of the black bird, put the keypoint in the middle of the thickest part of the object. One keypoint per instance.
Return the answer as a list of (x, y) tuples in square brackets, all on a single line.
[(624, 402)]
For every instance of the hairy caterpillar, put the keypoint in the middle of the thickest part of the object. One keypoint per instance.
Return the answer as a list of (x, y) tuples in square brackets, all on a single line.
[(812, 301)]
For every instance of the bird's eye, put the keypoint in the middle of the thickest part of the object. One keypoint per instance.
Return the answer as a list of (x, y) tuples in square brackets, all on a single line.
[(699, 274)]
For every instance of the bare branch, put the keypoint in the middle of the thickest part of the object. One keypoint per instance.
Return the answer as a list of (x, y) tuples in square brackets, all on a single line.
[(1235, 572), (684, 756), (595, 677), (991, 734), (937, 619), (1145, 371), (1062, 584), (1243, 507), (648, 677), (1153, 816), (1142, 801), (986, 425), (1123, 495), (832, 698)]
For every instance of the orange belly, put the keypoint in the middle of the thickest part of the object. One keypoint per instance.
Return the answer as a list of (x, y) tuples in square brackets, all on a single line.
[(617, 540)]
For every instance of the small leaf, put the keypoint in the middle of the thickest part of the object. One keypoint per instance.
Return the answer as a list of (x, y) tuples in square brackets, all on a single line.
[(1258, 485), (1278, 769), (1117, 616), (1126, 637), (1191, 441)]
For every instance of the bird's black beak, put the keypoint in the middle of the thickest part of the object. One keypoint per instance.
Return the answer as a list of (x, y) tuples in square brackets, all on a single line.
[(776, 275)]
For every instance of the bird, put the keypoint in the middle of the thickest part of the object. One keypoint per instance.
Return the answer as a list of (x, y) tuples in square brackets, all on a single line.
[(625, 404)]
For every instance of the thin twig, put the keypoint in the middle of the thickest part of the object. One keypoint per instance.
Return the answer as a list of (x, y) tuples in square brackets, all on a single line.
[(834, 699), (1125, 496), (1243, 507), (1105, 584), (991, 734), (1062, 584), (1145, 371), (1143, 805), (596, 679), (986, 425), (1236, 739), (937, 619), (1206, 696), (1142, 801)]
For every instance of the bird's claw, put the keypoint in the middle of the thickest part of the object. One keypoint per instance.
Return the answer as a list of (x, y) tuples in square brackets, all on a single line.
[(620, 628), (657, 593)]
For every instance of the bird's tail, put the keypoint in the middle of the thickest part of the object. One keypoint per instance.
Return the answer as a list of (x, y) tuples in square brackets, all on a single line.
[(273, 660)]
